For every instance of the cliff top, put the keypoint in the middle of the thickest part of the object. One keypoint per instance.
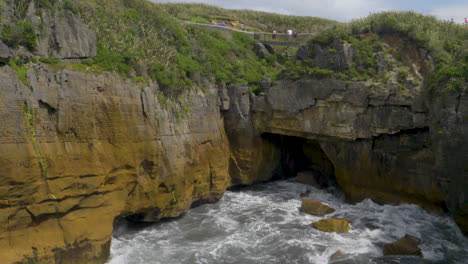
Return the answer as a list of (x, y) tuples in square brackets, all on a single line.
[(144, 41)]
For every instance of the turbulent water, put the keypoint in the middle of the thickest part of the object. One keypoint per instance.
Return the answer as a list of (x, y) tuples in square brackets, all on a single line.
[(262, 224)]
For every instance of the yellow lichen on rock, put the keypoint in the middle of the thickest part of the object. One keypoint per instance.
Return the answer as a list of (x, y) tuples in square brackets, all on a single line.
[(332, 225)]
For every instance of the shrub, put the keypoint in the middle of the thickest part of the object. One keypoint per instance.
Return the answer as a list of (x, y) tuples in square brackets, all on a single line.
[(71, 6), (22, 33)]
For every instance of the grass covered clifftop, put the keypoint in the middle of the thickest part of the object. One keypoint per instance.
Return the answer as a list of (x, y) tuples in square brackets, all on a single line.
[(143, 40), (253, 20), (402, 40), (139, 38), (144, 37)]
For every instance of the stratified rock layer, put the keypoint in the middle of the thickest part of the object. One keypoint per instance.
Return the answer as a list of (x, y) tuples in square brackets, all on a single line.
[(390, 145), (79, 150)]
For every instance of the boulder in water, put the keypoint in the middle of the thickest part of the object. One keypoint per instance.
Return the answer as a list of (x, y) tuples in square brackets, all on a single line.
[(336, 255), (407, 245), (314, 207), (332, 225)]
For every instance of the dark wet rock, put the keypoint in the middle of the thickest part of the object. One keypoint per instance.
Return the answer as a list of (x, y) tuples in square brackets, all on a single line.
[(332, 225), (407, 245), (5, 52), (313, 178), (314, 207)]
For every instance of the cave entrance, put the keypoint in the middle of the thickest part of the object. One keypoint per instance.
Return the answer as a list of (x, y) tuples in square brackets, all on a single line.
[(304, 159)]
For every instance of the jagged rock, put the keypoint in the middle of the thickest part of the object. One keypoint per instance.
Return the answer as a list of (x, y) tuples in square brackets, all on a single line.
[(261, 51), (332, 225), (224, 98), (303, 53), (407, 245), (314, 207), (5, 52), (337, 56), (382, 65), (265, 84), (64, 35)]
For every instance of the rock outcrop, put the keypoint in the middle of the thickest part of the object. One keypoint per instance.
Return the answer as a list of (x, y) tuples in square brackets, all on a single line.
[(372, 135), (79, 150), (60, 33)]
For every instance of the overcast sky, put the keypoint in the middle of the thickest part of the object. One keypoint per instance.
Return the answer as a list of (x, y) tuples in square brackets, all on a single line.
[(343, 10)]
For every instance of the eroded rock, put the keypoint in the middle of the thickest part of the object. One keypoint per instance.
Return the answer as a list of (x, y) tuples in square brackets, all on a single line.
[(314, 207), (332, 225)]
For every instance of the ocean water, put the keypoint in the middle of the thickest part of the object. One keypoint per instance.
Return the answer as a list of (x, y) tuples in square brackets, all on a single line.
[(262, 224)]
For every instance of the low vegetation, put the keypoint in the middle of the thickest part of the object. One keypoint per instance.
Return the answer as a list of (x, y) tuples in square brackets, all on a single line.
[(142, 40), (253, 20), (444, 42), (21, 33)]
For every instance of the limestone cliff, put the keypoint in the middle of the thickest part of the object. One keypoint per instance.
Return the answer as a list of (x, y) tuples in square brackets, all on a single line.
[(80, 148), (391, 145)]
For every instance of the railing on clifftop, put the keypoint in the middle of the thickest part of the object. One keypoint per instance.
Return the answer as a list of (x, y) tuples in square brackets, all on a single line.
[(278, 39)]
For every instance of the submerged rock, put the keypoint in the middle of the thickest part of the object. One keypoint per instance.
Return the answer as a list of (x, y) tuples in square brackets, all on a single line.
[(314, 207), (304, 194), (336, 255), (407, 245), (332, 225)]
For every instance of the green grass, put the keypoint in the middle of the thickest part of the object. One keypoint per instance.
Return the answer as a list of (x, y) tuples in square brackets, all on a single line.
[(132, 33), (49, 60), (445, 42), (21, 70)]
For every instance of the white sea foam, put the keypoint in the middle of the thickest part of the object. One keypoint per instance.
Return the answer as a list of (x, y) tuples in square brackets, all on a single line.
[(262, 224)]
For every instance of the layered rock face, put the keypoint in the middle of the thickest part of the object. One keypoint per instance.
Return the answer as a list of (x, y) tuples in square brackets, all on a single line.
[(79, 150), (384, 143)]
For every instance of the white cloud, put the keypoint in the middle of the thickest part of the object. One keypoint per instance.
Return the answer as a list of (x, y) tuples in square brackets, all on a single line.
[(342, 10), (458, 13)]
